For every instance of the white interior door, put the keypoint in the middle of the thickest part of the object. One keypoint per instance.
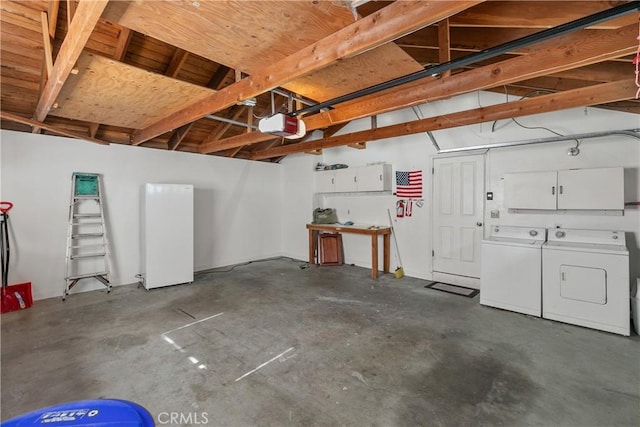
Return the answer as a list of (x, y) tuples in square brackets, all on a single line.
[(458, 216)]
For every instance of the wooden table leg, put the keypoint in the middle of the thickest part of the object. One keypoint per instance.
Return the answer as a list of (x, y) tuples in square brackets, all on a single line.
[(374, 256), (387, 246), (311, 249)]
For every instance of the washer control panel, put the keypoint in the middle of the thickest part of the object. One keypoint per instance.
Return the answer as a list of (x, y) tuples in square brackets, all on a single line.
[(523, 233)]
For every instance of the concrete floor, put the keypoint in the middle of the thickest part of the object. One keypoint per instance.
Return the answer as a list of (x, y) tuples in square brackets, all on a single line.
[(344, 350)]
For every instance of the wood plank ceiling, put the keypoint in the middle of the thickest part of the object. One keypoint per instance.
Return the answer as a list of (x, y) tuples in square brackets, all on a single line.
[(163, 74)]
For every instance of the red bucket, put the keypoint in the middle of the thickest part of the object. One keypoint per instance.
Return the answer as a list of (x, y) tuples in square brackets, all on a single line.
[(16, 297)]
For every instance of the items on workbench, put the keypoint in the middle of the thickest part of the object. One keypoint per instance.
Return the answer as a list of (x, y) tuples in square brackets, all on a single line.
[(324, 216)]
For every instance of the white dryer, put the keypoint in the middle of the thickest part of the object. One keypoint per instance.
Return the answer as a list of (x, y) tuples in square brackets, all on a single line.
[(511, 269), (585, 279)]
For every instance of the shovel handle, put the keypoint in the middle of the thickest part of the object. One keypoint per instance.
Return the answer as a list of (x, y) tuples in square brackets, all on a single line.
[(5, 207)]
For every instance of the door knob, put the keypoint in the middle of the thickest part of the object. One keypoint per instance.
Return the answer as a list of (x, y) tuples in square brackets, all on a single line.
[(479, 224)]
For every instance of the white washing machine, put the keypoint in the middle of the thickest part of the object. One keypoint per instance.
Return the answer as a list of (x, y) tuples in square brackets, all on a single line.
[(511, 269), (585, 279)]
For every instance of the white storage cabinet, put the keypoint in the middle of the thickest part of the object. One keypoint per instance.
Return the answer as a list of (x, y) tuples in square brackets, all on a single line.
[(167, 234), (346, 180), (598, 188), (325, 181), (349, 180), (374, 178)]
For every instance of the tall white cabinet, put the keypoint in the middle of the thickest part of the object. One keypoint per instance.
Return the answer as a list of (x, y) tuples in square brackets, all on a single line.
[(167, 234)]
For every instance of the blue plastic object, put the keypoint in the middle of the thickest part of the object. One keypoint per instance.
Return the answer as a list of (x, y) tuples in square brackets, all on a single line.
[(87, 413)]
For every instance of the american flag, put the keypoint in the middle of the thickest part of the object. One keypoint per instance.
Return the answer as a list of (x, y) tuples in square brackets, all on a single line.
[(409, 184)]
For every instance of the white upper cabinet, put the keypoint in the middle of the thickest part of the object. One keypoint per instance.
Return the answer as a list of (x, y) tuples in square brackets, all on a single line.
[(325, 181), (530, 190), (374, 178), (346, 180), (597, 189), (591, 188), (350, 180)]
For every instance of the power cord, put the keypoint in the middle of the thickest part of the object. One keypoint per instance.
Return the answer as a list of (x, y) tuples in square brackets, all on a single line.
[(526, 95), (301, 265), (140, 278)]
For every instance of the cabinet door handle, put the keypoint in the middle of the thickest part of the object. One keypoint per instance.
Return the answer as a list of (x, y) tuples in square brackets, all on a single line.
[(380, 177), (355, 179), (563, 276), (560, 188), (332, 180), (553, 190)]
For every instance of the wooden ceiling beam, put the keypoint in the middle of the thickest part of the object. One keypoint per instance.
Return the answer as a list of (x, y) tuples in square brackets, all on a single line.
[(218, 77), (609, 71), (395, 20), (234, 141), (234, 152), (564, 56), (124, 38), (34, 123), (629, 106), (537, 14), (178, 59), (548, 84), (179, 135), (593, 95), (52, 14), (86, 17), (596, 47), (332, 130), (444, 44), (93, 129), (423, 44), (71, 11), (46, 40)]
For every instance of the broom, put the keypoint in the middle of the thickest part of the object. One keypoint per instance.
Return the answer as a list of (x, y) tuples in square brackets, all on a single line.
[(399, 273)]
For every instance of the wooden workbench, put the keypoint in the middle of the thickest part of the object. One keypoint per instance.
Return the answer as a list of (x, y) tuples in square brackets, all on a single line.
[(373, 231)]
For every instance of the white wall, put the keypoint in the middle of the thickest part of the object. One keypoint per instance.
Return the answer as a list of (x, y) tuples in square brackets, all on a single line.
[(252, 210), (416, 152), (237, 205)]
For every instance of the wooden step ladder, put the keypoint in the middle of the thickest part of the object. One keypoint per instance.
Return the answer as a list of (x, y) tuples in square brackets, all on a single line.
[(87, 244)]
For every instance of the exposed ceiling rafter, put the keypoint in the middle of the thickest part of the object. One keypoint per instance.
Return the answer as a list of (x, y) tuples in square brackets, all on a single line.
[(86, 17), (602, 93), (572, 51), (395, 20)]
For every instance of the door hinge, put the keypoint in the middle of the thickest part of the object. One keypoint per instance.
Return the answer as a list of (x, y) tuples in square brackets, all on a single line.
[(433, 253)]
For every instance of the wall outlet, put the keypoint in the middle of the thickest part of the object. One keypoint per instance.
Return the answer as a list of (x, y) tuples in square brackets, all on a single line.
[(495, 214)]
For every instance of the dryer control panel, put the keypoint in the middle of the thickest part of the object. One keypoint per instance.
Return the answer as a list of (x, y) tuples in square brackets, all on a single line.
[(594, 237)]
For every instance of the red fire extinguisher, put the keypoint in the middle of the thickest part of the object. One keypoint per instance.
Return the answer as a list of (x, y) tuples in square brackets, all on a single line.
[(400, 208), (408, 208)]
